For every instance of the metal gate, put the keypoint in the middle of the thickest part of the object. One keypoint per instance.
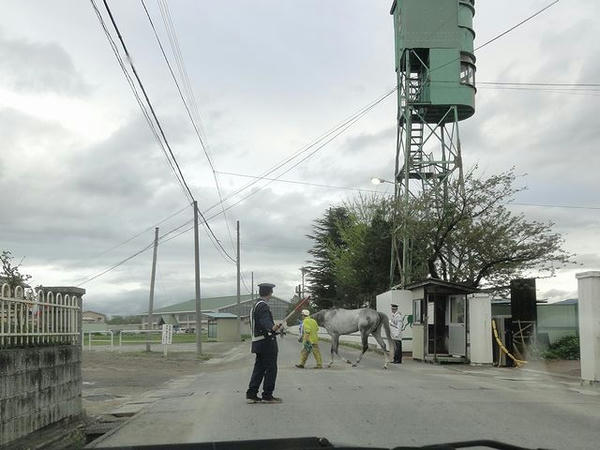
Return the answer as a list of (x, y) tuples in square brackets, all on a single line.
[(457, 332)]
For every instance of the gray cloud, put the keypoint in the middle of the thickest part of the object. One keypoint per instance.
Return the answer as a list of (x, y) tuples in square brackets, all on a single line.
[(72, 196), (364, 141), (39, 67)]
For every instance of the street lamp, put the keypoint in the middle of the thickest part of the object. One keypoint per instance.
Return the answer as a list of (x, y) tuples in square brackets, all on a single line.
[(376, 180)]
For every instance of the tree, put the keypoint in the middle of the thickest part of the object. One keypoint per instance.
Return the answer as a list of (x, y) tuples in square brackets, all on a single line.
[(362, 264), (11, 273), (351, 250), (463, 234), (474, 239), (123, 320), (321, 273)]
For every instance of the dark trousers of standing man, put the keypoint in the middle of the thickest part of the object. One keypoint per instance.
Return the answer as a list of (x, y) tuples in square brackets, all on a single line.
[(397, 351), (265, 367)]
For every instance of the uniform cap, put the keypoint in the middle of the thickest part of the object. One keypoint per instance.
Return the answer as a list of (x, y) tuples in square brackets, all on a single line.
[(305, 312), (394, 306), (267, 285)]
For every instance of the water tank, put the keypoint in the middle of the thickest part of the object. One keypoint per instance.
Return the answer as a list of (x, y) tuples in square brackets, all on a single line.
[(438, 37)]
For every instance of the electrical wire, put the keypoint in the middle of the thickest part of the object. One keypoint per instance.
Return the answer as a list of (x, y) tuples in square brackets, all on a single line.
[(131, 83), (190, 95), (113, 267), (530, 83), (148, 102), (325, 186), (141, 232), (555, 206), (342, 130), (504, 33), (181, 177)]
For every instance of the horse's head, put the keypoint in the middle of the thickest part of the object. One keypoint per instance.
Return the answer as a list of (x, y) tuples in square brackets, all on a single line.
[(319, 317)]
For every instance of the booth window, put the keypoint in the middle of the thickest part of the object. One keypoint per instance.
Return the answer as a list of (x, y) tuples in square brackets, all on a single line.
[(417, 311)]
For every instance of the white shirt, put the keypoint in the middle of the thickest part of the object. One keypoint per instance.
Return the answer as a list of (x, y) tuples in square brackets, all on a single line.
[(397, 326)]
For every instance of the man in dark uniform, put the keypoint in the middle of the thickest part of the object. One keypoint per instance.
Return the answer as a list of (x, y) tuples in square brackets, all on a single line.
[(264, 345)]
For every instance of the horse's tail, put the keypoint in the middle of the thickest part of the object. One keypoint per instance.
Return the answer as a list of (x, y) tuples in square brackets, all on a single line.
[(383, 320)]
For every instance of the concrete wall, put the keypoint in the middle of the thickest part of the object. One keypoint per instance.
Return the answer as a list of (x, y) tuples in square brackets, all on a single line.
[(38, 386)]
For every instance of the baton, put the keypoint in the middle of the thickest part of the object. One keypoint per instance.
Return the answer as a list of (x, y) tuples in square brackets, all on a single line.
[(298, 306)]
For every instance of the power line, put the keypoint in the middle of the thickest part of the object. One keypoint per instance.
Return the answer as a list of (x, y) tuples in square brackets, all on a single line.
[(187, 86), (555, 206), (129, 80), (181, 177), (149, 103), (297, 154), (243, 278), (529, 83), (504, 33), (87, 280), (325, 186), (517, 25), (334, 133), (571, 92), (141, 232)]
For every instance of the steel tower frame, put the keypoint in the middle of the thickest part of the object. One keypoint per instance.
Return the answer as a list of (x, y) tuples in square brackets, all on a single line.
[(416, 170)]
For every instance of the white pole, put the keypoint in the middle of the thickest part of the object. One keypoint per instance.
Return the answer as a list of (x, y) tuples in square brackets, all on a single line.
[(588, 287), (90, 341), (152, 280), (197, 284), (239, 319)]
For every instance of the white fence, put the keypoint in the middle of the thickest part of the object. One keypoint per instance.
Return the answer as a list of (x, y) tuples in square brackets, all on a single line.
[(106, 338), (32, 318)]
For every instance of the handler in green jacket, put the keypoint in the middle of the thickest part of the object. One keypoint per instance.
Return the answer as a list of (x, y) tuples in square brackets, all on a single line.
[(310, 339)]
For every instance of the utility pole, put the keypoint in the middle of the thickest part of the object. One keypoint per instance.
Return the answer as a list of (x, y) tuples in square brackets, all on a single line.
[(252, 286), (303, 270), (239, 319), (197, 282), (152, 280)]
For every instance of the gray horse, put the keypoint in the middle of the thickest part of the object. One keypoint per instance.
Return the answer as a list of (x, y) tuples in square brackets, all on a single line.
[(340, 321)]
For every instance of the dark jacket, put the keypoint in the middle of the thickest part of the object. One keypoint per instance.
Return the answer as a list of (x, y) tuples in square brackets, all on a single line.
[(262, 321)]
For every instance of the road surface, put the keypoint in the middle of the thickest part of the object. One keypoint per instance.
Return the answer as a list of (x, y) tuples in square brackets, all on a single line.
[(409, 404)]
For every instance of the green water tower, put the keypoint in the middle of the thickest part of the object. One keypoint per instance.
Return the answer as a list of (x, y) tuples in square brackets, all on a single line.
[(435, 68), (434, 43)]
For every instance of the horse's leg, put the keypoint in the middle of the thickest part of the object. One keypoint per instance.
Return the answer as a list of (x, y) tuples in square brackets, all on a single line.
[(364, 335), (336, 349), (381, 343), (334, 342)]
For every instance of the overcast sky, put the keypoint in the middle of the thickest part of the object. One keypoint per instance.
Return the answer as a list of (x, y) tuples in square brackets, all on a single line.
[(80, 172)]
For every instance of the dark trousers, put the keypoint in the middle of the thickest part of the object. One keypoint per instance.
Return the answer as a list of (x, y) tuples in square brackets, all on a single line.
[(397, 351), (265, 367)]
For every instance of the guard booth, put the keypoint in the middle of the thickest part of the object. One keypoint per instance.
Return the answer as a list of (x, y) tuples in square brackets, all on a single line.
[(222, 326), (451, 322)]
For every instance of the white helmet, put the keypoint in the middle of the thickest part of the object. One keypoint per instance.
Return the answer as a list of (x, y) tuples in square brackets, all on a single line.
[(305, 312)]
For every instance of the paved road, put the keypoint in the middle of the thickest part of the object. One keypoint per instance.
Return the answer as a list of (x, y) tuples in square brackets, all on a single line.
[(414, 403)]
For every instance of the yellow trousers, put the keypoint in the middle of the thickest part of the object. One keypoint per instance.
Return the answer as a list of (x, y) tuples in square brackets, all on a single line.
[(316, 352)]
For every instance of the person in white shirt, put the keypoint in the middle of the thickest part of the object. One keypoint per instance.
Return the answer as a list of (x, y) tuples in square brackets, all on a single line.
[(397, 325)]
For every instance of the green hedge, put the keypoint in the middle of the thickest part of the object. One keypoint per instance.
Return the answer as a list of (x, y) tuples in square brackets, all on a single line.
[(565, 348)]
